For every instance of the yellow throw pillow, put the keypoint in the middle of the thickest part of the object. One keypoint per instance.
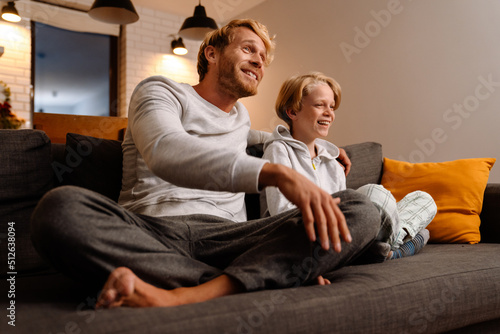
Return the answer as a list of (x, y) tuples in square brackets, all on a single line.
[(457, 188)]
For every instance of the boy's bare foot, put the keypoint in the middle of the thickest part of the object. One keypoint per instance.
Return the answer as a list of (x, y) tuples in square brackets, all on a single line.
[(124, 288), (322, 281)]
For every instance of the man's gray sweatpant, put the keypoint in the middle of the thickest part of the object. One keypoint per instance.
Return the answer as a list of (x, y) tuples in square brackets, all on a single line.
[(86, 235)]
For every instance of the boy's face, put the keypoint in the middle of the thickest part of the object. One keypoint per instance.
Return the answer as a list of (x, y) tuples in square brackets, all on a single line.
[(316, 115)]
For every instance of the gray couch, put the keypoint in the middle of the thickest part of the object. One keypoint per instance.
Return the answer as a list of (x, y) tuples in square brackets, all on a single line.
[(445, 288)]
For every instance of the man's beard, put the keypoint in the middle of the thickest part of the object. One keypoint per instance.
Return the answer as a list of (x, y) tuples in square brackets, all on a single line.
[(230, 80)]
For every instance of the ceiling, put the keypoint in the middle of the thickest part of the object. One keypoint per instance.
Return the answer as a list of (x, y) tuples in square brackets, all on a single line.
[(219, 10)]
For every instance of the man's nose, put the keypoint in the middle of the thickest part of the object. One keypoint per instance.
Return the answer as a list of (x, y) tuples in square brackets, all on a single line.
[(257, 61)]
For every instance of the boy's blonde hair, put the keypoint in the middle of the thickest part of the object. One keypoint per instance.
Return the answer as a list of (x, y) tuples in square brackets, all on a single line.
[(222, 37), (296, 88)]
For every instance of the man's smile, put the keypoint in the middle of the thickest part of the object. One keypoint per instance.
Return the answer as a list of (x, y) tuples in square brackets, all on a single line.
[(250, 74)]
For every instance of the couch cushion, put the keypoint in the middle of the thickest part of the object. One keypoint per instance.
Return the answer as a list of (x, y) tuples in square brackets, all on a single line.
[(457, 188), (366, 159), (92, 163), (25, 175)]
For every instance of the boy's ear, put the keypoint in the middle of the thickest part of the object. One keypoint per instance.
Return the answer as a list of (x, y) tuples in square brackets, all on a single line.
[(291, 114)]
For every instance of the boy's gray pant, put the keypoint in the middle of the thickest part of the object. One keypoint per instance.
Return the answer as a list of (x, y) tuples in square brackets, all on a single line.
[(86, 236)]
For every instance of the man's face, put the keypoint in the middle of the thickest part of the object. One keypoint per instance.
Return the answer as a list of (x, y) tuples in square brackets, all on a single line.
[(241, 64)]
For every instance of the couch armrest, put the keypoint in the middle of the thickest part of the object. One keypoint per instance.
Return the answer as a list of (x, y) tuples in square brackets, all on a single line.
[(490, 215)]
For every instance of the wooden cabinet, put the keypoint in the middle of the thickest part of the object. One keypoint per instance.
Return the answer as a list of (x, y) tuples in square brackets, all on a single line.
[(56, 126)]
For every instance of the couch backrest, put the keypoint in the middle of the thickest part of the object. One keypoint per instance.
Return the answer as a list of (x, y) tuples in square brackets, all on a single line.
[(25, 176), (367, 163), (96, 164)]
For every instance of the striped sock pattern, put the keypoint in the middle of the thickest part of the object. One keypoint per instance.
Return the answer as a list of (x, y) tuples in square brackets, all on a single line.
[(412, 247)]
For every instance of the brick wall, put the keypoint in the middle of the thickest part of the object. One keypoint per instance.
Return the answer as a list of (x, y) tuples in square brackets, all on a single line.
[(15, 66), (144, 51)]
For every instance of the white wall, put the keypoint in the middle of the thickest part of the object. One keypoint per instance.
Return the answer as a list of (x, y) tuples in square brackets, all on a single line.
[(414, 74), (15, 66)]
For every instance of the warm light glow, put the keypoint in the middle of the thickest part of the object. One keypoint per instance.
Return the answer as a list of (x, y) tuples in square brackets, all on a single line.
[(180, 69), (15, 37), (11, 17), (180, 51)]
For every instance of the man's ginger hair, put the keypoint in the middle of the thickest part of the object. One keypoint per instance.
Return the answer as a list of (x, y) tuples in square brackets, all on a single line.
[(222, 37)]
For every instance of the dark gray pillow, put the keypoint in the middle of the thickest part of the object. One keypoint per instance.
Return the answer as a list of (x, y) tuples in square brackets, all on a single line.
[(25, 176), (367, 164), (92, 163)]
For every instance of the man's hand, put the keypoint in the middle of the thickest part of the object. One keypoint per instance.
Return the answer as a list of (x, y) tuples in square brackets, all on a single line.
[(317, 206), (344, 161)]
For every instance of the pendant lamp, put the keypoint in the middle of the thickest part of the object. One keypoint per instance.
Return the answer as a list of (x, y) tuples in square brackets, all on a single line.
[(9, 12), (178, 47), (198, 25), (114, 11)]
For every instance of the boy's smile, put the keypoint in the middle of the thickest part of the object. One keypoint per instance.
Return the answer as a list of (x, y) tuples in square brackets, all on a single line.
[(316, 115)]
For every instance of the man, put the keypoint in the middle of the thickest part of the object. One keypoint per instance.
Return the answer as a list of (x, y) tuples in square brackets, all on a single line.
[(174, 239)]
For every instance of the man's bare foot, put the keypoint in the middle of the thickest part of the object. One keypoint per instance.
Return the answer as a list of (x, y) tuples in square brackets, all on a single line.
[(124, 288)]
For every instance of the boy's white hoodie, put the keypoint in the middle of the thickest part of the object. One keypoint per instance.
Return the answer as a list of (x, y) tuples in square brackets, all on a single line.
[(324, 170)]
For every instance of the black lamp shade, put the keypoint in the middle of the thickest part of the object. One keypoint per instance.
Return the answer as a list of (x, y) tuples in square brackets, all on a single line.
[(178, 47), (114, 11), (9, 12), (198, 25)]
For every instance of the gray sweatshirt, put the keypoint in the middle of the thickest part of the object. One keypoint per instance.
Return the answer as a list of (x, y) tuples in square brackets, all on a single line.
[(183, 155), (323, 170)]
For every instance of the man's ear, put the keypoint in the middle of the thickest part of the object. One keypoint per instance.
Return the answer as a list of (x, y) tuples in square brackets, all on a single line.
[(291, 114), (210, 54)]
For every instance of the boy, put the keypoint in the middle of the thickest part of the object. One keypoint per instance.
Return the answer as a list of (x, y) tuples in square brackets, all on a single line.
[(307, 104)]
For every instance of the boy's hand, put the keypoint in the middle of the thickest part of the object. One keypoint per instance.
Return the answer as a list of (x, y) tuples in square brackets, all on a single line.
[(317, 206)]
